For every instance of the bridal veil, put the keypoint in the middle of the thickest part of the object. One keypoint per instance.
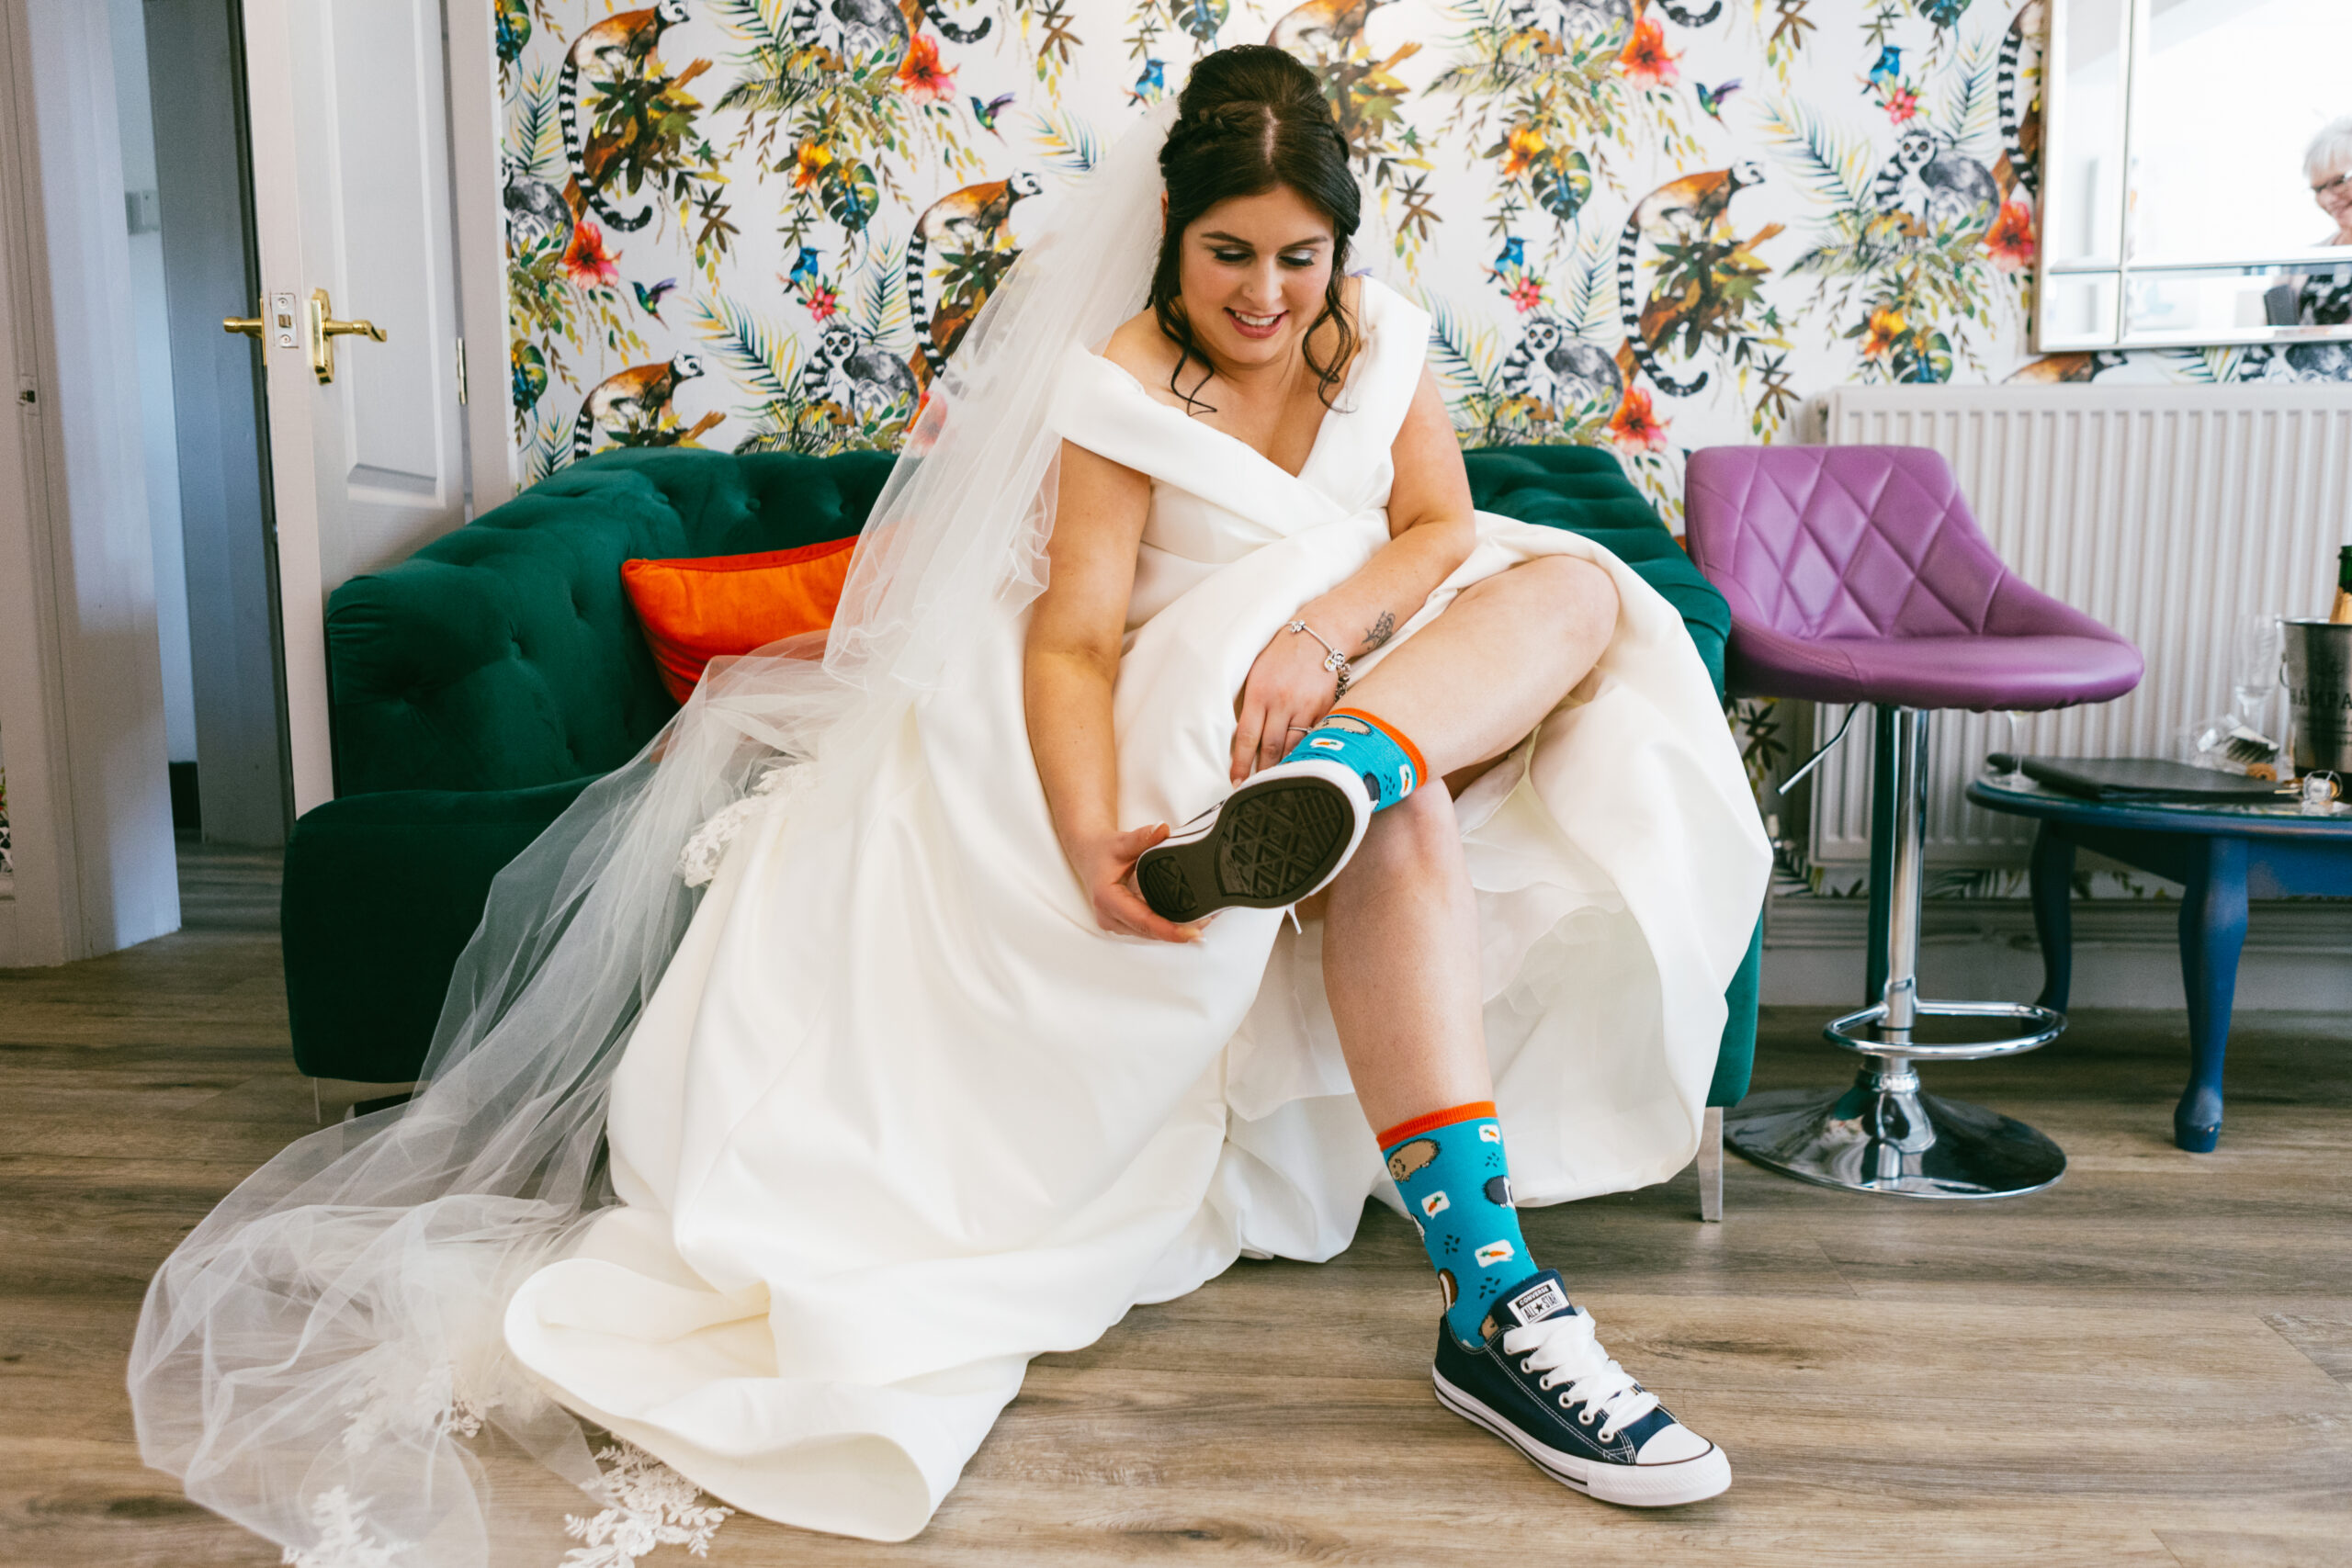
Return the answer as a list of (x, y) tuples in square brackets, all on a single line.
[(312, 1358)]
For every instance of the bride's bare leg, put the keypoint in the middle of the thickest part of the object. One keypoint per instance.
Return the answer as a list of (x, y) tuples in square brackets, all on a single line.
[(1400, 965), (1472, 682), (1400, 932)]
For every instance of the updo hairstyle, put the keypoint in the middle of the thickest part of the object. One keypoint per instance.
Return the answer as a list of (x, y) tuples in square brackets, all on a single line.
[(1251, 118)]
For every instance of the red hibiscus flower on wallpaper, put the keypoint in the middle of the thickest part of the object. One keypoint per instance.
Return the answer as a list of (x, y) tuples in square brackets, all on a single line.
[(1633, 427), (1646, 61), (587, 262), (2010, 240), (920, 77)]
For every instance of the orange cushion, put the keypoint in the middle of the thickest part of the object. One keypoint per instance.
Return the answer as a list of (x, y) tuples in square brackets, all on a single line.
[(697, 610)]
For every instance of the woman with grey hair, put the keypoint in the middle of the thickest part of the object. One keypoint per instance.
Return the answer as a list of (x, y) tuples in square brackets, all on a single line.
[(2321, 296), (2327, 163)]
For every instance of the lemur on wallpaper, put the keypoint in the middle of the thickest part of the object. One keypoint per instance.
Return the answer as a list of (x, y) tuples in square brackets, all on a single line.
[(1680, 212), (1596, 25), (1322, 28), (632, 404), (536, 210), (1940, 187), (972, 217), (620, 46), (861, 379), (1569, 375), (2020, 134), (853, 29)]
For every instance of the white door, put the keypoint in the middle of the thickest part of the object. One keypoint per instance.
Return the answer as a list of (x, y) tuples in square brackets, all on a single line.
[(349, 106)]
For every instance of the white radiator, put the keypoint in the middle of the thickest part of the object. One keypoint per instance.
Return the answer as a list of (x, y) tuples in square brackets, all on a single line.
[(2170, 513)]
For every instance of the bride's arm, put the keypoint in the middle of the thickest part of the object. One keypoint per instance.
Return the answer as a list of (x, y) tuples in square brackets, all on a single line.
[(1072, 656), (1430, 531)]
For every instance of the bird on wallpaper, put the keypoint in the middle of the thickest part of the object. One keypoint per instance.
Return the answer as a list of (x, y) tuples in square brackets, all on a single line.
[(1712, 99), (514, 28), (804, 275), (1889, 69), (1201, 18), (1514, 254), (1152, 85), (650, 300), (985, 113)]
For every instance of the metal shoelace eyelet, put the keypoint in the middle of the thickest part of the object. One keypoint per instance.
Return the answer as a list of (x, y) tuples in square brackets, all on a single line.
[(1585, 1417)]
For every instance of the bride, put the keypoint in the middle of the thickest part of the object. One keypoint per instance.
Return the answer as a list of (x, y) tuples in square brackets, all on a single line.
[(873, 1033)]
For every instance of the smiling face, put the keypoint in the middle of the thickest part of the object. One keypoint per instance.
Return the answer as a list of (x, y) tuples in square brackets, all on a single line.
[(2332, 189), (1252, 272)]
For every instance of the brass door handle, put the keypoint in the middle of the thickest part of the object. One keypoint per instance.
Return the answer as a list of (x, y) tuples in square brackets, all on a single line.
[(252, 326), (325, 329)]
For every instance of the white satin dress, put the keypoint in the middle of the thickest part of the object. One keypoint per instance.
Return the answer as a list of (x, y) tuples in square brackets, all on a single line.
[(901, 1116)]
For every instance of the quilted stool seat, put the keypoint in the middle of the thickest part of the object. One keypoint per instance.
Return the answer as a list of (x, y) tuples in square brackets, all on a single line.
[(1857, 574)]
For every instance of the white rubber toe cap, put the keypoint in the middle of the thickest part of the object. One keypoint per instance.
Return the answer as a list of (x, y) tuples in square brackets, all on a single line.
[(1672, 1445)]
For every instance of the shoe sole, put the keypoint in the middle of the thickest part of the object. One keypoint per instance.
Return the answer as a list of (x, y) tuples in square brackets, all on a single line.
[(1693, 1480), (1266, 847)]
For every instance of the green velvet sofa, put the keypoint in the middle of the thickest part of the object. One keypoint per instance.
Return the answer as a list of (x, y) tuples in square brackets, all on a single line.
[(482, 683)]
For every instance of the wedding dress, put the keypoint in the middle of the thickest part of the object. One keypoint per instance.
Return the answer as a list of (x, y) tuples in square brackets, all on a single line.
[(884, 1114)]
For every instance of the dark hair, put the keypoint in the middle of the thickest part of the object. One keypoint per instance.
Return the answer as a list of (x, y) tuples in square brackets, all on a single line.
[(1251, 118)]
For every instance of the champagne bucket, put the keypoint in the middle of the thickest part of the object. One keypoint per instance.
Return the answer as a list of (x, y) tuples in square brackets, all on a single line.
[(2319, 694)]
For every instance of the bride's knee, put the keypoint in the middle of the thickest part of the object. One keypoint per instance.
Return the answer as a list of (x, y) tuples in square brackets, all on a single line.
[(1417, 837), (1577, 589), (1553, 588)]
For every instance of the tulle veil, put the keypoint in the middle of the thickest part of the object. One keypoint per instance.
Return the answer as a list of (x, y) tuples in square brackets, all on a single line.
[(314, 1360)]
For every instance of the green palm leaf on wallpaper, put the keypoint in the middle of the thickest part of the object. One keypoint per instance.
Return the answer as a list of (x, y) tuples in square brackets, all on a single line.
[(538, 141), (765, 360), (882, 312), (1969, 118), (767, 85), (1459, 353), (1588, 298), (1065, 142), (1834, 167)]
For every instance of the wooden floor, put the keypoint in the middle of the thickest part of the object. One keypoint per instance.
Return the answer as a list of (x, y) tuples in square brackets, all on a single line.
[(2151, 1364)]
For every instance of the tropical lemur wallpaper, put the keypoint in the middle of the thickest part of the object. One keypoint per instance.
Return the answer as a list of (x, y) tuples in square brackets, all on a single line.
[(1646, 224)]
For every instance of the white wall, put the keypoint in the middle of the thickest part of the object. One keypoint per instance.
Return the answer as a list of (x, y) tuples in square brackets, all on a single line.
[(135, 119), (81, 678)]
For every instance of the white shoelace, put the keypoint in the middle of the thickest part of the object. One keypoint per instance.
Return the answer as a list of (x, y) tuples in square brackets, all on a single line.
[(1567, 1349)]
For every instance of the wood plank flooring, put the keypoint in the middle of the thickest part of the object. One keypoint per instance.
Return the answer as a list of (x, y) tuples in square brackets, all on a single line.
[(2149, 1364)]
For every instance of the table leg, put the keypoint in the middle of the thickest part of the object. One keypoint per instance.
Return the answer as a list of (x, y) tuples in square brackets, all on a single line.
[(2212, 930), (2053, 885)]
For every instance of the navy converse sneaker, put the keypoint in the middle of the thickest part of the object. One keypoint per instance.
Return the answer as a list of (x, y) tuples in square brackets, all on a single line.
[(1269, 843), (1542, 1383)]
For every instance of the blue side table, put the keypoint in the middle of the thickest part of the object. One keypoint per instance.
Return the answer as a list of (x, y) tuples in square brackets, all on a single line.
[(2223, 855)]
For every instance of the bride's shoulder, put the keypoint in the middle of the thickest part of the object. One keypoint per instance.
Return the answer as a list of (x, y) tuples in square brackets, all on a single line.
[(1142, 350)]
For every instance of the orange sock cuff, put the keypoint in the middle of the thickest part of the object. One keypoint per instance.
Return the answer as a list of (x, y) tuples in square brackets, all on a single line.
[(1472, 1112), (1404, 742)]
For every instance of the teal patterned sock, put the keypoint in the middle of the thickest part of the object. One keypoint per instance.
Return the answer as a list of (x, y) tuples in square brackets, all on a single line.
[(1382, 755), (1450, 1167)]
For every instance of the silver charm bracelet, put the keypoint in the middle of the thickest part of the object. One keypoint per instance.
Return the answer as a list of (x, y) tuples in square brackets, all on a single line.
[(1334, 659)]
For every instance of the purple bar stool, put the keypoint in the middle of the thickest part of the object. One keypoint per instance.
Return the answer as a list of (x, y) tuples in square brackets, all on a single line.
[(1856, 574)]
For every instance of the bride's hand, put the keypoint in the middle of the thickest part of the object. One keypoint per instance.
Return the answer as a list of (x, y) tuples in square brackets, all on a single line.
[(1106, 866), (1287, 691)]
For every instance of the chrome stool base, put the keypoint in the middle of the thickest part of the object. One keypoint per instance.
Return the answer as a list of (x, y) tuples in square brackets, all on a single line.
[(1887, 1135)]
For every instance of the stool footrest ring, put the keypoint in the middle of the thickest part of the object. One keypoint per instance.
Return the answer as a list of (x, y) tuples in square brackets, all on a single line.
[(2045, 1023)]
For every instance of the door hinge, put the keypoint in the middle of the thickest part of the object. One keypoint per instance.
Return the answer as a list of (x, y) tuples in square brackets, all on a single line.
[(462, 372)]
